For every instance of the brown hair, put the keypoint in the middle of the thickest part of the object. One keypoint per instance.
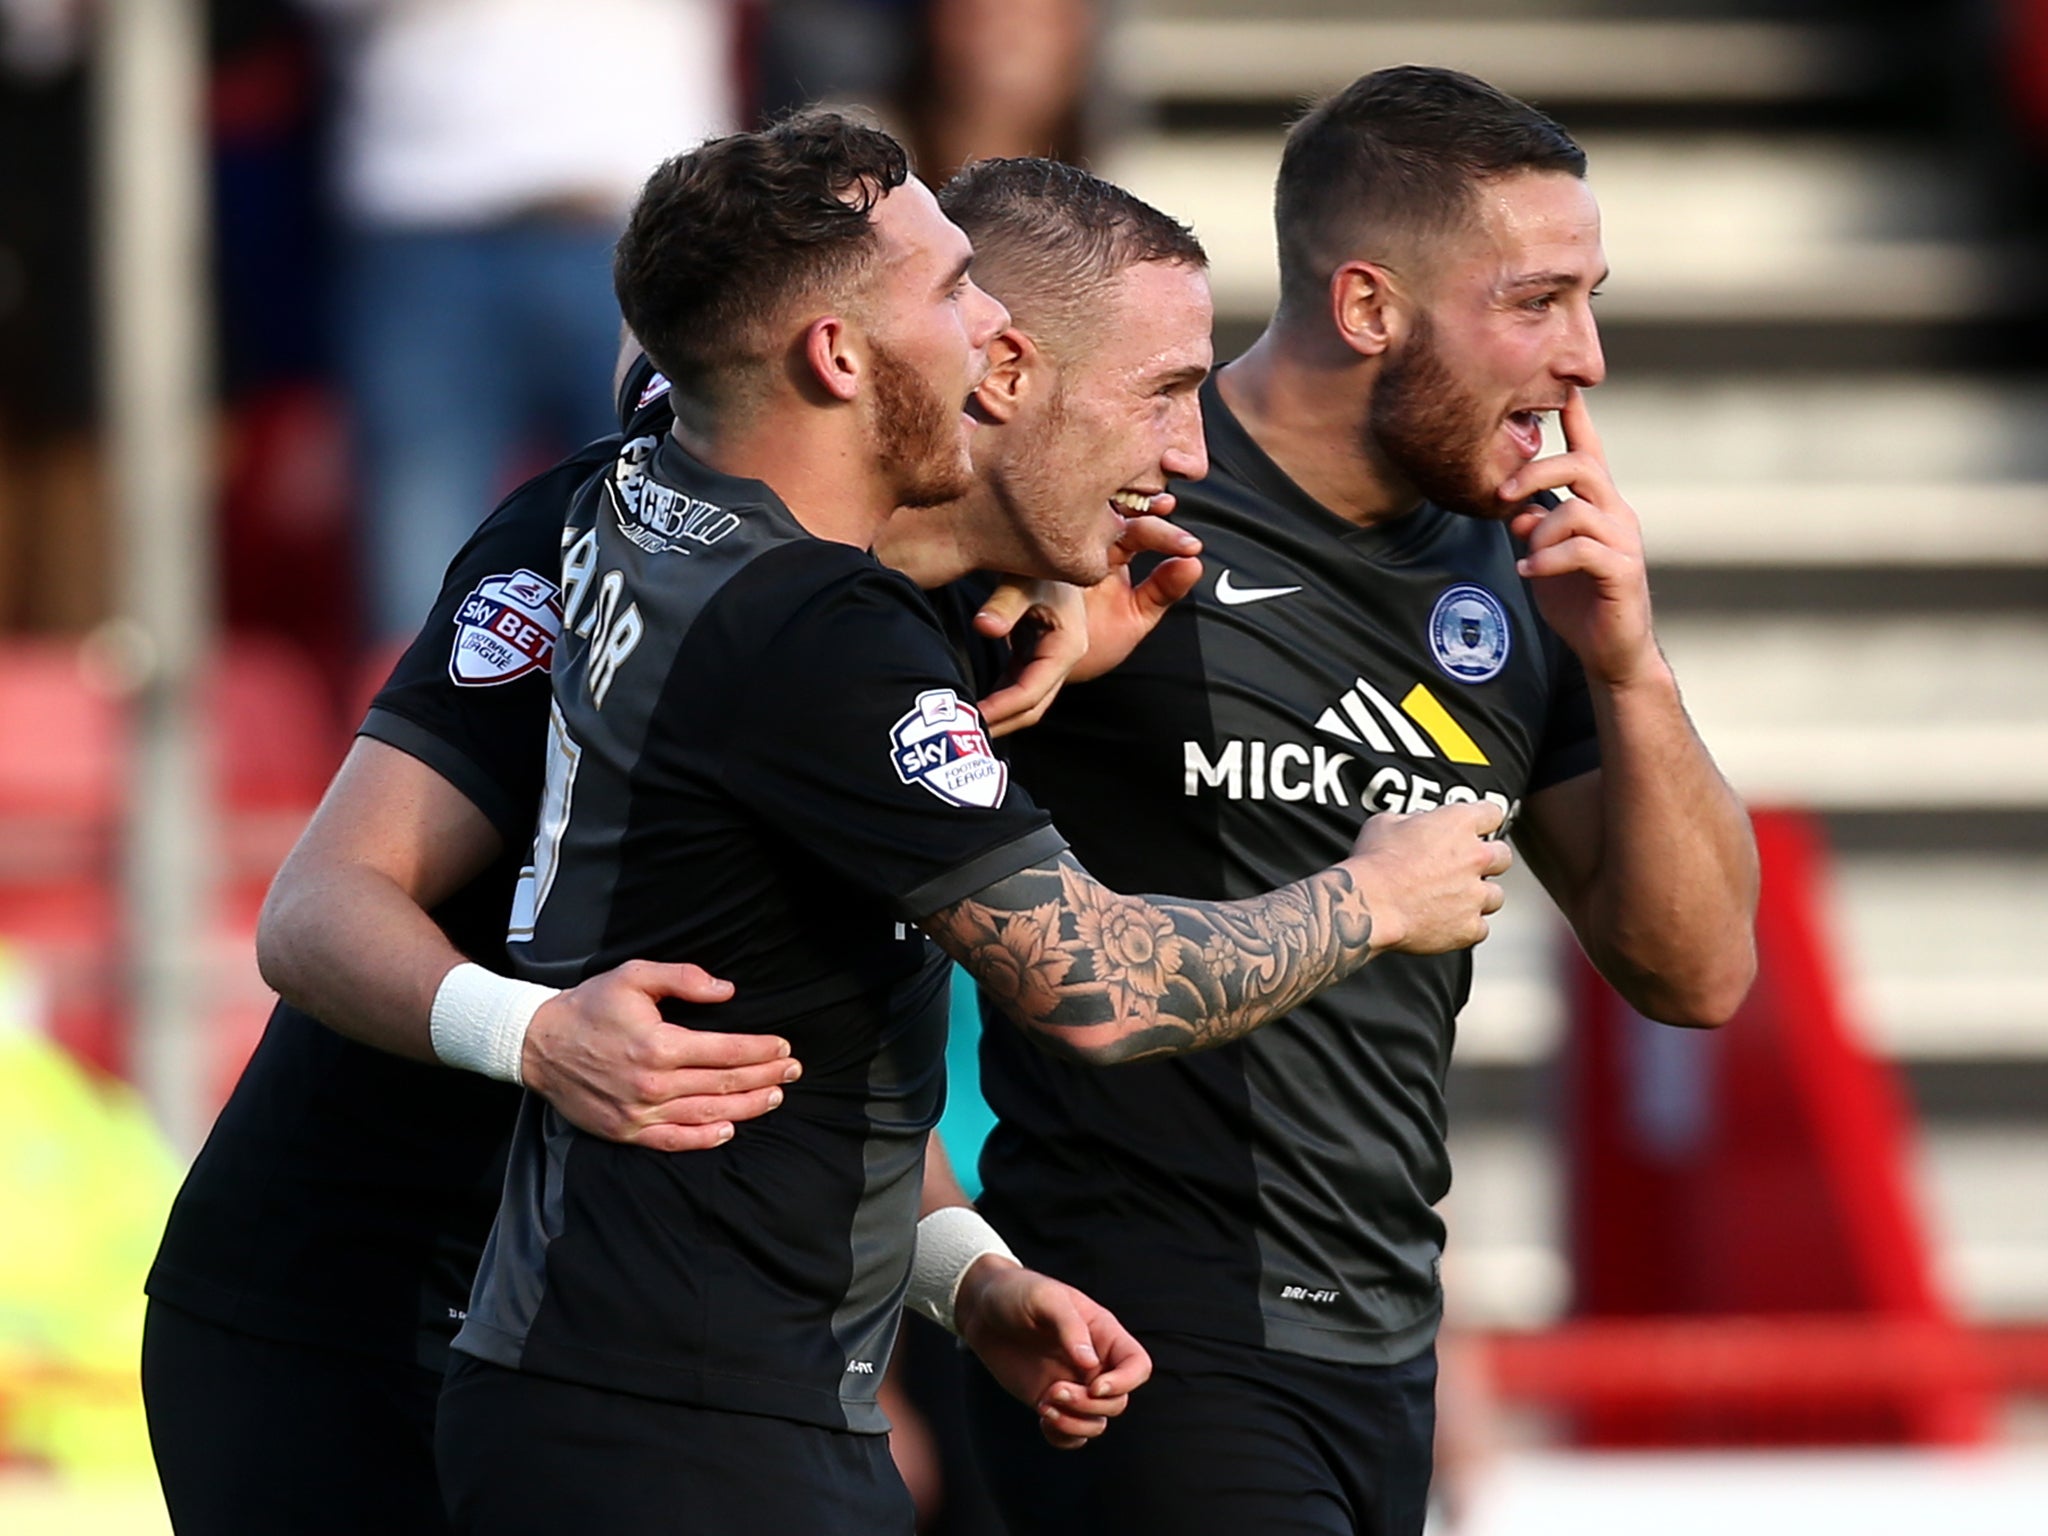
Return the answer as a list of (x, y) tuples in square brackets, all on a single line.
[(1397, 156), (1049, 237), (725, 237)]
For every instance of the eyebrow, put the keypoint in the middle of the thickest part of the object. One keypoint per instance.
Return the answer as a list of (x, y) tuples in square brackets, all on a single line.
[(952, 279), (1194, 373), (1549, 280)]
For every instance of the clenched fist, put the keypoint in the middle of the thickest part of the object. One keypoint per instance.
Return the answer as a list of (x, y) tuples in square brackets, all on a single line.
[(1428, 879)]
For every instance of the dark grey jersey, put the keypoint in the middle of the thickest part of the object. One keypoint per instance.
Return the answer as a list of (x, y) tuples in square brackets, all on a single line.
[(1278, 1191), (762, 759)]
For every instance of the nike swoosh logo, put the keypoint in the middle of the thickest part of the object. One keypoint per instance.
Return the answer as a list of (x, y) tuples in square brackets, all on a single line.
[(1234, 596)]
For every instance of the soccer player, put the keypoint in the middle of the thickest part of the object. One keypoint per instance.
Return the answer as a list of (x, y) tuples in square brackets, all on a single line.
[(761, 755), (323, 1247), (1402, 614)]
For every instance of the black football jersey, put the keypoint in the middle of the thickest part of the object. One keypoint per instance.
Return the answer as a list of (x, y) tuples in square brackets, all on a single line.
[(343, 1195), (1278, 1191), (762, 758)]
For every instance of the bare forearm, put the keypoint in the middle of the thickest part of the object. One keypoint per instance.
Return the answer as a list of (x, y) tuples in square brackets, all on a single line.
[(1104, 978), (1669, 914), (313, 946), (941, 1184)]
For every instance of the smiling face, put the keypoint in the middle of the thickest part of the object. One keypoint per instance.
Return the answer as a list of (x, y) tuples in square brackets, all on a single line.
[(928, 330), (1121, 415), (1500, 331)]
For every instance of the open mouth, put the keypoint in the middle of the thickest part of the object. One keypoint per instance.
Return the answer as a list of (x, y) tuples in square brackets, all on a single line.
[(1525, 428), (1133, 503)]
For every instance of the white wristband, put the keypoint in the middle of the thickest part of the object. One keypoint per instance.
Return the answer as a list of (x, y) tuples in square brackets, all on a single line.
[(948, 1243), (480, 1018)]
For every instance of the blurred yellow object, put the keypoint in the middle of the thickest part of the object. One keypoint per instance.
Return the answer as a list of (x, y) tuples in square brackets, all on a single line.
[(85, 1184), (35, 1504)]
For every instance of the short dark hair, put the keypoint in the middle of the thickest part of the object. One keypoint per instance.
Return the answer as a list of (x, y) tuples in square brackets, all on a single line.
[(1049, 237), (722, 238), (1398, 155)]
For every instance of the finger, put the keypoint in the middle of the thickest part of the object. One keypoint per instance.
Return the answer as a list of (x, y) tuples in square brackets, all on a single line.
[(683, 1138), (1170, 581), (1524, 523), (1576, 518), (1156, 533), (1059, 1441), (1491, 897), (1576, 422), (1129, 1366), (1025, 699), (1578, 473), (659, 1088), (687, 983), (1054, 1420), (1004, 607), (709, 1109), (1071, 1328), (676, 1048), (1596, 559), (1486, 817), (1500, 857), (1071, 1397)]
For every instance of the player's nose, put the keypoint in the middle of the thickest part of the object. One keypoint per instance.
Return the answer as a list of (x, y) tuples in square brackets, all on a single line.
[(1186, 456), (1583, 362), (989, 318)]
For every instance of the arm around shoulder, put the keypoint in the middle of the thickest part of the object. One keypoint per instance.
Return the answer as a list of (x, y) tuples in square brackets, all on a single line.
[(1105, 978)]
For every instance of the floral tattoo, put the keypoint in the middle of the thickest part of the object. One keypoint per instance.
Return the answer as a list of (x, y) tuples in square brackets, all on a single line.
[(1106, 978)]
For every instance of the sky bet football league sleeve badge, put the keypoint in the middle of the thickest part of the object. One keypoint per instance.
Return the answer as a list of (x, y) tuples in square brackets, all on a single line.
[(941, 745), (505, 629)]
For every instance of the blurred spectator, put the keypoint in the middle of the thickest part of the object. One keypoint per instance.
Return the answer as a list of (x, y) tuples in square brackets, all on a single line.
[(960, 79), (848, 51), (487, 152), (1008, 77), (53, 570)]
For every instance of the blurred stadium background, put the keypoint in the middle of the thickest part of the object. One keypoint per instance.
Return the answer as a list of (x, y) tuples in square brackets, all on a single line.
[(1794, 1276)]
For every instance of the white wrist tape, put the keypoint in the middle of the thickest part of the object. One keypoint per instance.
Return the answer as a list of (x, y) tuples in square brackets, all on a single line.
[(948, 1243), (480, 1018)]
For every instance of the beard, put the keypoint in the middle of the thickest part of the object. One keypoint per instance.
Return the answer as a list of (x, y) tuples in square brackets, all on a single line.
[(917, 435), (1433, 431), (1056, 531)]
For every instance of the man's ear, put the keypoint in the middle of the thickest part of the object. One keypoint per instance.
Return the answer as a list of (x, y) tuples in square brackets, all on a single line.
[(1016, 368), (833, 356), (1365, 307)]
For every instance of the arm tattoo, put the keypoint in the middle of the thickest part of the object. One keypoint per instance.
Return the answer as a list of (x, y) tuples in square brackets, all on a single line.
[(1103, 978)]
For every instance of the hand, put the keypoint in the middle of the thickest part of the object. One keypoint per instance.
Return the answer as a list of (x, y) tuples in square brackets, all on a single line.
[(1586, 554), (1121, 614), (1049, 1345), (603, 1055), (1058, 629), (1428, 879)]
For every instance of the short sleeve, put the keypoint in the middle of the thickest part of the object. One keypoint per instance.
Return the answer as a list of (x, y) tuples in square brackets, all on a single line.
[(856, 736), (1569, 745), (469, 697)]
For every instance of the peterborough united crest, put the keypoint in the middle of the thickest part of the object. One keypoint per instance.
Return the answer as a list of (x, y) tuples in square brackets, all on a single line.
[(941, 745), (1468, 634), (505, 629)]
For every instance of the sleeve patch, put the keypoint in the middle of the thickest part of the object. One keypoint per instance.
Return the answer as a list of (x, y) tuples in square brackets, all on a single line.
[(941, 745), (505, 629)]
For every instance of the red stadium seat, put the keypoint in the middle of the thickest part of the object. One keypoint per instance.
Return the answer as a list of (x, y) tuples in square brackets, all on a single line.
[(271, 744)]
